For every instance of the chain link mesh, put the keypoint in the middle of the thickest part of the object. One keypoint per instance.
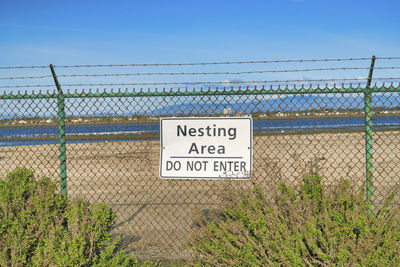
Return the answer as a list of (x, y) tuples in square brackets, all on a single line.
[(113, 149)]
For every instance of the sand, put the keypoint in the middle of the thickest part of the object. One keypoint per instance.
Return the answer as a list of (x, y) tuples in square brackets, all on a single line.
[(155, 216)]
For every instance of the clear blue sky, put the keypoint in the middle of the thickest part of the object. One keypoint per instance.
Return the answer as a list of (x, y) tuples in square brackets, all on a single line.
[(70, 32), (101, 32)]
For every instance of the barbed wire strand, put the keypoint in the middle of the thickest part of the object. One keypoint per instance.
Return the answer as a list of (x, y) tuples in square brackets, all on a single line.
[(22, 67), (199, 63), (388, 58), (25, 77), (214, 63), (189, 64), (197, 73), (223, 72)]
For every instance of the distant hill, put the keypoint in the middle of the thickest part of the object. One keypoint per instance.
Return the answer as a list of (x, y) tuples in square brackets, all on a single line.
[(288, 103)]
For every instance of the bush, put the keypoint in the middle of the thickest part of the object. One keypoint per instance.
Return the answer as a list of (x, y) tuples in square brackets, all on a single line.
[(314, 226), (38, 226)]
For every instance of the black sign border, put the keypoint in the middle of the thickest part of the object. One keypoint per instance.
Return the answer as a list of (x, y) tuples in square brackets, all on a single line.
[(206, 178)]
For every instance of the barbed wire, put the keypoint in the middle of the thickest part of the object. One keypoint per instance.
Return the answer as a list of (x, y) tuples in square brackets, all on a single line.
[(198, 63), (190, 63), (388, 58), (25, 77), (212, 63), (222, 72), (27, 86), (198, 73), (22, 67), (362, 79)]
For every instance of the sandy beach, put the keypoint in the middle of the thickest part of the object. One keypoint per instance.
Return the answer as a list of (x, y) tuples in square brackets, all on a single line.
[(155, 216)]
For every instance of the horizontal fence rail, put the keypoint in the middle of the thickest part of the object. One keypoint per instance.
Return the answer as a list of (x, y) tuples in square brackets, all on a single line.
[(225, 91)]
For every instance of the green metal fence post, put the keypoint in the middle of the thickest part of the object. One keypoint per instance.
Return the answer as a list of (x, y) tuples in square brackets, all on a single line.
[(369, 185), (61, 134)]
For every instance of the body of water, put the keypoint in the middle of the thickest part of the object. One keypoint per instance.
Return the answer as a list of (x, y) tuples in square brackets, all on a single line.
[(47, 134)]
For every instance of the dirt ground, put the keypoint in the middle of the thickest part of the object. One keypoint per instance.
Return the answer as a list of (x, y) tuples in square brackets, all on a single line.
[(155, 216)]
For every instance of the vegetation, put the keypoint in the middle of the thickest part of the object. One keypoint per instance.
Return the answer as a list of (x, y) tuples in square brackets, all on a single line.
[(40, 227), (313, 226)]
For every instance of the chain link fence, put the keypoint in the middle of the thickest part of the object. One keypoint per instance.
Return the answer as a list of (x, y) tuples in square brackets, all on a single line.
[(112, 149), (104, 145)]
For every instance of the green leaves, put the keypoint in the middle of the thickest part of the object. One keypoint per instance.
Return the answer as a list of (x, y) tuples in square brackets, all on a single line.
[(40, 227), (315, 225)]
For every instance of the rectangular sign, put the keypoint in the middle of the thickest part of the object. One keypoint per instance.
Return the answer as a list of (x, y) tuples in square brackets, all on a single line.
[(206, 148)]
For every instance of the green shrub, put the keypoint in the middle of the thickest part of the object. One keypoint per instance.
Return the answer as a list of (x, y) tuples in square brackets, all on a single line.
[(314, 226), (40, 227)]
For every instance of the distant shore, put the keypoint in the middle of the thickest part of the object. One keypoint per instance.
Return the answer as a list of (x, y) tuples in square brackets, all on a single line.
[(76, 120)]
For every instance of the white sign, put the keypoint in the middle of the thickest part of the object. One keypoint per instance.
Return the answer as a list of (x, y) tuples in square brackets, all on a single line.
[(206, 148)]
